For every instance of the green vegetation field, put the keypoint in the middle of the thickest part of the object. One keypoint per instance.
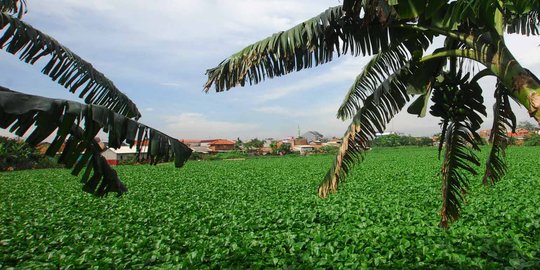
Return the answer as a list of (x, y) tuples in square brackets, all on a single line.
[(264, 213)]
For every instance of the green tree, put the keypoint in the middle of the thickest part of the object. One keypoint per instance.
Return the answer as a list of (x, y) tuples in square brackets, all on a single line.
[(75, 124), (532, 140), (253, 144), (238, 144), (398, 35), (527, 125)]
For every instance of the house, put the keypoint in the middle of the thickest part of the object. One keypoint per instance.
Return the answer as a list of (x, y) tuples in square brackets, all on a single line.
[(300, 141), (191, 143), (221, 145), (303, 149), (519, 134), (124, 153)]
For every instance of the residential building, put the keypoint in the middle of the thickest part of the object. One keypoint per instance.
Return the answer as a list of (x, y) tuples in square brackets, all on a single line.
[(221, 145), (124, 153)]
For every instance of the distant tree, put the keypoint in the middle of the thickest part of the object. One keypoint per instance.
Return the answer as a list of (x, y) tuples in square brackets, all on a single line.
[(238, 144), (532, 140), (328, 149), (406, 63), (253, 144), (424, 141), (527, 125), (284, 148)]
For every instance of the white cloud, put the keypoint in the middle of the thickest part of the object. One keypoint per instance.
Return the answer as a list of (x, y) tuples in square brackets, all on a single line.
[(345, 71), (198, 126)]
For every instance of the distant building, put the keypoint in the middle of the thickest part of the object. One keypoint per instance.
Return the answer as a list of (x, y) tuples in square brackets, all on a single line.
[(303, 149), (312, 136), (300, 141), (124, 153), (191, 143), (209, 146), (519, 134), (221, 145)]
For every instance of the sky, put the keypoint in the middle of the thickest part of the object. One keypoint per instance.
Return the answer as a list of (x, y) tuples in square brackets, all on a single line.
[(157, 53)]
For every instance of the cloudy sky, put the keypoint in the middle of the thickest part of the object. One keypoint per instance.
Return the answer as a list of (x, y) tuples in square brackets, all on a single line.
[(157, 53)]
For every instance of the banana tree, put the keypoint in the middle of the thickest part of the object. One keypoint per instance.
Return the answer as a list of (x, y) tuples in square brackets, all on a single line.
[(398, 34), (75, 125)]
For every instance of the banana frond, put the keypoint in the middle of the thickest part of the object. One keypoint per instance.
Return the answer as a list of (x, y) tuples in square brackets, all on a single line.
[(76, 126), (373, 117), (380, 67), (310, 43), (64, 66), (459, 103), (522, 17), (458, 158), (13, 7), (504, 120)]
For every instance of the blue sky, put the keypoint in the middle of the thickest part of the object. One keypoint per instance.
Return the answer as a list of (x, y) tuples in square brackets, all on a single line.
[(158, 53)]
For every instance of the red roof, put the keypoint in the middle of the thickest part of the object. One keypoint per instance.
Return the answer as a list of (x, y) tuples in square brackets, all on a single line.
[(222, 142)]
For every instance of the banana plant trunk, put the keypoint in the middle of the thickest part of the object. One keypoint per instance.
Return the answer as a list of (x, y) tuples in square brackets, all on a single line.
[(523, 85)]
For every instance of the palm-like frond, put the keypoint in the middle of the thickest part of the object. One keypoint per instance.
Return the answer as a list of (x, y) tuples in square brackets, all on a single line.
[(77, 124), (308, 44), (64, 66), (458, 157), (522, 17), (380, 67), (14, 7), (504, 120), (459, 104), (526, 24), (373, 117)]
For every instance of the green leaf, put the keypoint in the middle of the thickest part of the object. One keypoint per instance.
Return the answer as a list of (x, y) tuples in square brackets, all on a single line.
[(64, 66), (20, 111)]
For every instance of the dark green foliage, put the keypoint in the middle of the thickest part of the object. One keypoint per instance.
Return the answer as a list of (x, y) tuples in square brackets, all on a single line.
[(397, 34), (64, 66), (253, 144), (328, 149), (15, 154), (459, 104), (503, 122), (378, 109), (394, 140), (77, 126), (280, 148), (262, 214), (527, 125), (532, 140)]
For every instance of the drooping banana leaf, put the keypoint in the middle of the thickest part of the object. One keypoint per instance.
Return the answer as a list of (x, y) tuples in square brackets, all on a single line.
[(459, 103), (377, 111), (503, 121), (308, 44), (380, 67), (458, 158), (63, 66), (76, 126), (522, 17)]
